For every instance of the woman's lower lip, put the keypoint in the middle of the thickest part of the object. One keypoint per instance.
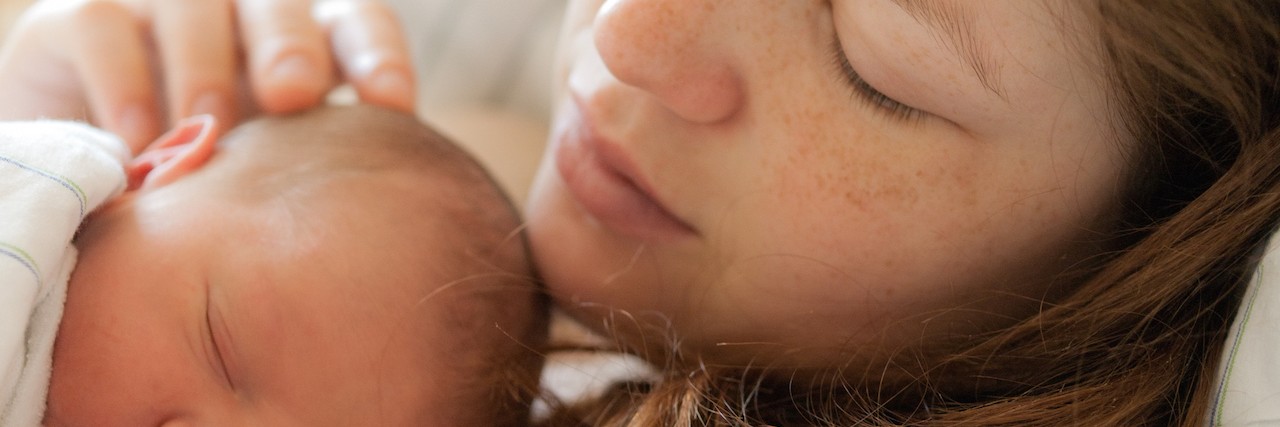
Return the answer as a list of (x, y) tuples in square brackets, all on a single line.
[(607, 195)]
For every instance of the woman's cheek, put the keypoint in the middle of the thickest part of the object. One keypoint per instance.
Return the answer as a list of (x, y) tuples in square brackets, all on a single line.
[(858, 197)]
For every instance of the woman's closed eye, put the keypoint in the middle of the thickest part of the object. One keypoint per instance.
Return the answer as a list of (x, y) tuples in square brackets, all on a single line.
[(218, 353), (869, 94)]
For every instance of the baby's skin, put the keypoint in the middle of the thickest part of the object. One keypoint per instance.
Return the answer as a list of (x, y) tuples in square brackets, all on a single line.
[(345, 267)]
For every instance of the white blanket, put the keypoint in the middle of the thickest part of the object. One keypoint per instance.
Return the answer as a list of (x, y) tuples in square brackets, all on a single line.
[(1249, 376), (52, 174)]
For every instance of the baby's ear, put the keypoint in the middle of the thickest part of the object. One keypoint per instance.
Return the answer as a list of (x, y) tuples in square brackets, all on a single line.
[(175, 154)]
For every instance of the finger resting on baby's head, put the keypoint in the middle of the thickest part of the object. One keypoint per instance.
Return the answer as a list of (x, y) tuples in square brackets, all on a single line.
[(289, 63), (371, 51), (197, 52)]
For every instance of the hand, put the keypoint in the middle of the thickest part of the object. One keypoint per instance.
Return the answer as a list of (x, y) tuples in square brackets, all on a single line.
[(133, 67)]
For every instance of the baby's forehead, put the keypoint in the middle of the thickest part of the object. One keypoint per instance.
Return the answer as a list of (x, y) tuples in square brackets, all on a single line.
[(429, 353), (394, 240), (376, 187), (440, 316)]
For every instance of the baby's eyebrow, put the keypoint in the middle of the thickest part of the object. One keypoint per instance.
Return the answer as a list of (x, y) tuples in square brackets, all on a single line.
[(952, 23)]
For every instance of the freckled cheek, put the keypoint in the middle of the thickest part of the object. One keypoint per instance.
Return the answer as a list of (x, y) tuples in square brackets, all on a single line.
[(850, 224), (849, 181), (869, 203)]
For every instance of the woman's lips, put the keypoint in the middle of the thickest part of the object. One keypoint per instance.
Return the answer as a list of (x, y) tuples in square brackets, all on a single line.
[(603, 181)]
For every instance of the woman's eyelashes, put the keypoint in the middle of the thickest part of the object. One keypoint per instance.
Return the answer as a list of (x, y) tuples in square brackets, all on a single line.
[(869, 94)]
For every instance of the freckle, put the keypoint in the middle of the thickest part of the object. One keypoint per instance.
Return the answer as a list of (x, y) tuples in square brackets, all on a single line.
[(916, 56), (960, 179), (804, 149), (854, 201), (970, 199)]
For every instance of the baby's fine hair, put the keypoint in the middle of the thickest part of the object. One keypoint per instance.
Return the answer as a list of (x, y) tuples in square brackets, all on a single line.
[(501, 321)]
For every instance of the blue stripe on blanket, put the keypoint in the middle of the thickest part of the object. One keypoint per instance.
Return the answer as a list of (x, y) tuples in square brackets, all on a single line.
[(65, 183)]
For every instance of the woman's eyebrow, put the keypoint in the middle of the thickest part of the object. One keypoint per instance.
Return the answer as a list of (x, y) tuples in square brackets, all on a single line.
[(952, 24)]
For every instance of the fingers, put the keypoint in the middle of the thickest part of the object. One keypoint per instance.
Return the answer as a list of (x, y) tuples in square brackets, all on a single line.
[(196, 42), (288, 56), (111, 58), (370, 50)]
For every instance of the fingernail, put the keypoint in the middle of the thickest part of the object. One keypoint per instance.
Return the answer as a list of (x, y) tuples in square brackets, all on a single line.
[(293, 68)]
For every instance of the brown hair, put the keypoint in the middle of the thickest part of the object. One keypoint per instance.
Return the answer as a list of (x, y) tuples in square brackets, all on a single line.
[(1197, 85)]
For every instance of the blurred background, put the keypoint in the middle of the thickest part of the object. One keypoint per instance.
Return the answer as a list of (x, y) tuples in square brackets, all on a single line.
[(484, 72), (9, 10), (486, 52)]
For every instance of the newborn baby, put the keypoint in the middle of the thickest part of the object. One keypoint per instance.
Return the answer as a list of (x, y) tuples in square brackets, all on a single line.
[(343, 267)]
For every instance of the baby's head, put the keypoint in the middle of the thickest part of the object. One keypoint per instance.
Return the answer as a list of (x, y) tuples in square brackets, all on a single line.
[(343, 267)]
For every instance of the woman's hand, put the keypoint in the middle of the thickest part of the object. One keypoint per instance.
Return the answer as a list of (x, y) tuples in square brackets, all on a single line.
[(135, 66)]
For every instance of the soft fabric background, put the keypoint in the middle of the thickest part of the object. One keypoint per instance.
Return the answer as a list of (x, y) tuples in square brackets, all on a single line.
[(485, 75), (9, 9), (484, 52)]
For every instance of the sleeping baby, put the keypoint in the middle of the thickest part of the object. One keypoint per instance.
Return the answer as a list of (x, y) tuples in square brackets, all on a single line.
[(344, 267)]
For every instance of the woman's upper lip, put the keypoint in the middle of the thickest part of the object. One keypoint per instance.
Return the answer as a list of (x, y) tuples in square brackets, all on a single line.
[(611, 154), (621, 164), (616, 161)]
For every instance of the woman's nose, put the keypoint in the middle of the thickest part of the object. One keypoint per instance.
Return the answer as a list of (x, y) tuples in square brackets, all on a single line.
[(676, 50)]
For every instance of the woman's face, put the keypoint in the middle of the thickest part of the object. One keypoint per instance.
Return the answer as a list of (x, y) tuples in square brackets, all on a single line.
[(783, 182)]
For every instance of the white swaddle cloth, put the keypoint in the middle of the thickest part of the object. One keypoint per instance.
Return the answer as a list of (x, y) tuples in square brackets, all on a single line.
[(1249, 376), (52, 174)]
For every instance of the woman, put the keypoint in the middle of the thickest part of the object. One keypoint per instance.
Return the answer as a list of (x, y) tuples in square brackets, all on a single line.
[(810, 212)]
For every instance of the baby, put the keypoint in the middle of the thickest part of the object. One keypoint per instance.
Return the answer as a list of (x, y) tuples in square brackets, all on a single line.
[(342, 267)]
